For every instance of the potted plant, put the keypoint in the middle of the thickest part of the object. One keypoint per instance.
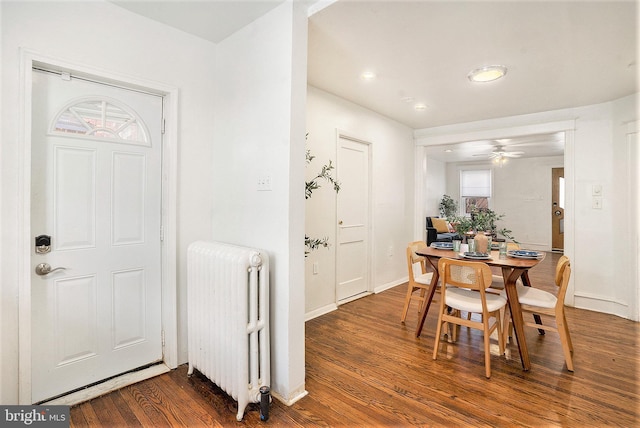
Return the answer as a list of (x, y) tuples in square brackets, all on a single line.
[(448, 207), (462, 225), (484, 220)]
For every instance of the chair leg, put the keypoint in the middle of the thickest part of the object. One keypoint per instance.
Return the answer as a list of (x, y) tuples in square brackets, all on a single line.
[(455, 328), (566, 327), (487, 353), (506, 325), (438, 332), (565, 340), (500, 327), (407, 300)]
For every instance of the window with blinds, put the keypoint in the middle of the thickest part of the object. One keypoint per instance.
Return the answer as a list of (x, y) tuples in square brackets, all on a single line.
[(475, 189)]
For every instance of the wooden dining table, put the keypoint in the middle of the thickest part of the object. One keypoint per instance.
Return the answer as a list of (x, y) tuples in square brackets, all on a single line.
[(512, 269)]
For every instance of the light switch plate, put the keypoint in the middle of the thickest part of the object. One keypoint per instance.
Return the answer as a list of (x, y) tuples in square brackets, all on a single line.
[(264, 182)]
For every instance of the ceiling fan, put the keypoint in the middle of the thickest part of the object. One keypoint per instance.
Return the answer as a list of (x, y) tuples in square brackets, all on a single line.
[(499, 153)]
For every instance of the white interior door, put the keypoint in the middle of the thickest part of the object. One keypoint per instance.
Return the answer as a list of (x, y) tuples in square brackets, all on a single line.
[(96, 191), (352, 265)]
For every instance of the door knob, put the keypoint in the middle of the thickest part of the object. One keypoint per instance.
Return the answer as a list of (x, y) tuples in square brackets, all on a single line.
[(340, 222), (45, 268)]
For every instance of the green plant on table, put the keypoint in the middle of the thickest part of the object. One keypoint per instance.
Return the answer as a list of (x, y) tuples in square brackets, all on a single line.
[(485, 219), (462, 225)]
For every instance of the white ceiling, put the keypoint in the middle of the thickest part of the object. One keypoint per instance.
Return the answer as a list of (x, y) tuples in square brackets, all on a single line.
[(559, 54), (213, 20)]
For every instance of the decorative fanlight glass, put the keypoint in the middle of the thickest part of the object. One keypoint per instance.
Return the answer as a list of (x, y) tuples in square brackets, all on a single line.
[(102, 119)]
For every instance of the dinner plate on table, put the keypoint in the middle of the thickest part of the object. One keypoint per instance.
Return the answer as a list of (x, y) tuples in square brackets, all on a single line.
[(525, 254), (442, 245), (477, 256)]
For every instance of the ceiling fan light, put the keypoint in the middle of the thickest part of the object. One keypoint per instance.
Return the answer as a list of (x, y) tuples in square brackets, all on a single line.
[(488, 73)]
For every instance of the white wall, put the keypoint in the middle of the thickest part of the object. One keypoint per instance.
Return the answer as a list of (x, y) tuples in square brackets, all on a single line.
[(596, 154), (521, 190), (435, 188), (259, 106), (393, 193)]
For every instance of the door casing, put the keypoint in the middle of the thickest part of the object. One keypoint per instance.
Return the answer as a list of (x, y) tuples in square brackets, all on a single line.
[(29, 59)]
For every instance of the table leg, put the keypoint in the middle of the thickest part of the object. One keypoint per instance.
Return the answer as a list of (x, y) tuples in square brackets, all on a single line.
[(428, 298), (527, 283), (510, 277)]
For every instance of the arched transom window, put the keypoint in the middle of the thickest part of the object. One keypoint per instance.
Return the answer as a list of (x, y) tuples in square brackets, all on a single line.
[(103, 119)]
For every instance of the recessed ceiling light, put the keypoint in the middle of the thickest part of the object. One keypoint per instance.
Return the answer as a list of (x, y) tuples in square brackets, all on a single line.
[(420, 107), (368, 75), (448, 150), (487, 73), (408, 99)]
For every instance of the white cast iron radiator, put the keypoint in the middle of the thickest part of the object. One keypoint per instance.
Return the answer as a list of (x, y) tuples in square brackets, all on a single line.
[(228, 331)]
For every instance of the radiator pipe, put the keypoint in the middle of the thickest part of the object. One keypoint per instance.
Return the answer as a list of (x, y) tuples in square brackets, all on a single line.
[(265, 398)]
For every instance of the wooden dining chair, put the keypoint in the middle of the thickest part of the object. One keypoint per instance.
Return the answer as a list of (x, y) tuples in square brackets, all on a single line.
[(464, 285), (539, 302), (419, 278)]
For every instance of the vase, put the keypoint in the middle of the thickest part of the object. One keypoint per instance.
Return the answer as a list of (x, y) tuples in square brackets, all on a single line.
[(481, 242)]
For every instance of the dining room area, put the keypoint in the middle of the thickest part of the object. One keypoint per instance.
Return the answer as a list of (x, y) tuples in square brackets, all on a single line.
[(372, 368)]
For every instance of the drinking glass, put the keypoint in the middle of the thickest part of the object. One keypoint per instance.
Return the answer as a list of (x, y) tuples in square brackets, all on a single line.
[(472, 245), (456, 245), (503, 250)]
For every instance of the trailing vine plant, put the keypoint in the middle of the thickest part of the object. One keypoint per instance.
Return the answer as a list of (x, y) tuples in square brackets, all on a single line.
[(324, 174)]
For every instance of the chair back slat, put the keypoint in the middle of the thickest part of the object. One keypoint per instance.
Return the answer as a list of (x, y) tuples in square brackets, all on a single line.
[(563, 285), (413, 258), (563, 262), (465, 274)]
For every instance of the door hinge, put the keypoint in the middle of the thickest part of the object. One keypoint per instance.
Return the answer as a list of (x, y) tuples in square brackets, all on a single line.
[(164, 125), (161, 233), (162, 337)]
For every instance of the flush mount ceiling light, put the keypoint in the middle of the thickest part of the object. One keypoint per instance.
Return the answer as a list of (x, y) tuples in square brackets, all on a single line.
[(420, 107), (488, 73), (368, 75)]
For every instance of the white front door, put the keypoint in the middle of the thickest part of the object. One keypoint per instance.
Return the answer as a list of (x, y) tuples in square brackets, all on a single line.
[(96, 196), (352, 266)]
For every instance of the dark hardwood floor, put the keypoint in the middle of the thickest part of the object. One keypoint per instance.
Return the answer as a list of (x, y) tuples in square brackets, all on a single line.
[(366, 369)]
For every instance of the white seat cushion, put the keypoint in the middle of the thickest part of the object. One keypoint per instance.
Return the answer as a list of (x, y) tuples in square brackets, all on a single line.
[(424, 278), (469, 300), (497, 282), (534, 297)]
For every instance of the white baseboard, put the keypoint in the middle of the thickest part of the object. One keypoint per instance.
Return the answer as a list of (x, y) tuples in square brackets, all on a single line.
[(320, 311), (597, 303), (389, 285), (289, 402)]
